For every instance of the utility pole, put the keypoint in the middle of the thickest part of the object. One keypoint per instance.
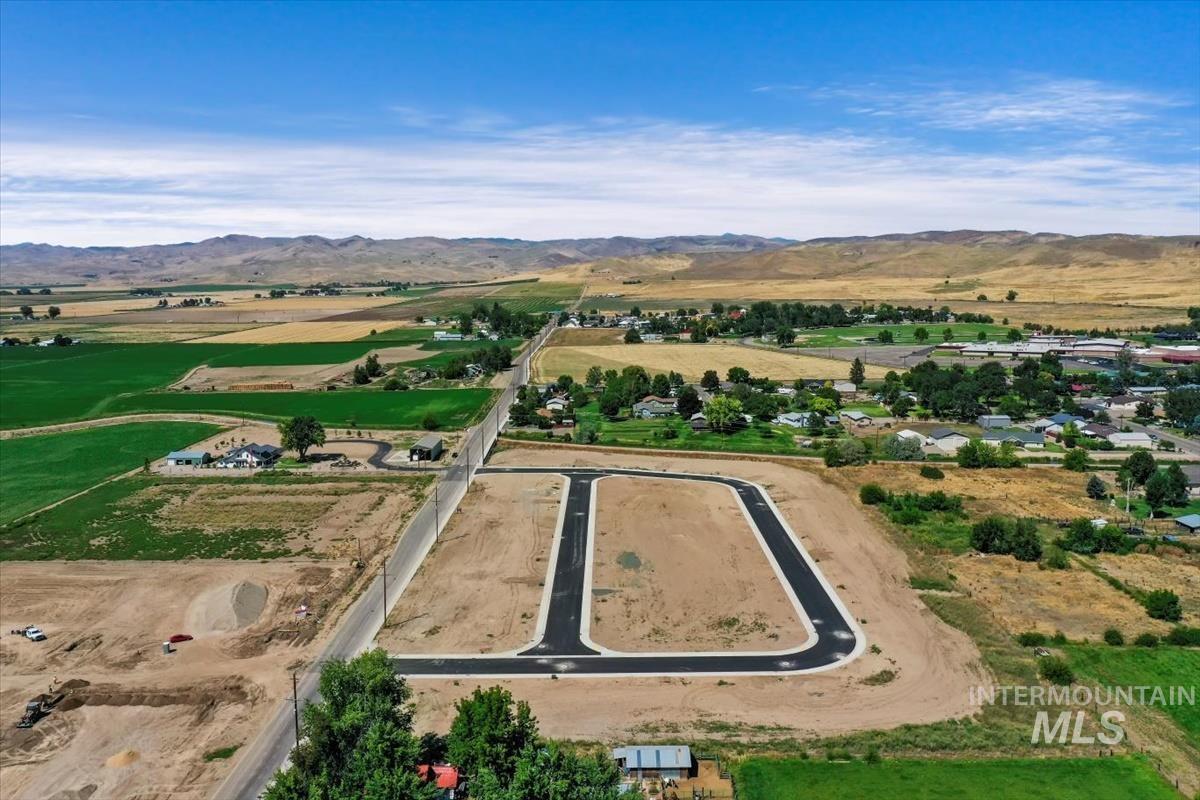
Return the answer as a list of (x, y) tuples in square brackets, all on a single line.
[(295, 708)]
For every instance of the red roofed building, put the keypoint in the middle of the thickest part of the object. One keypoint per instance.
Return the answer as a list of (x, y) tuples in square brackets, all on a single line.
[(736, 314), (444, 776)]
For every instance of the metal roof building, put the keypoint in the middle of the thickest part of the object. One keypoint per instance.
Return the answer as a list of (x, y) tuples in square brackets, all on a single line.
[(654, 761)]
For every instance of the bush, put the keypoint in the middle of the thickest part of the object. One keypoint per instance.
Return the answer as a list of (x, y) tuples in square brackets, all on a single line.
[(1056, 671), (1076, 461), (872, 494), (1096, 488), (1056, 558), (394, 385), (932, 473), (845, 452), (1058, 638), (1003, 536), (1184, 636), (1163, 604), (430, 422), (1114, 637), (902, 449), (1146, 640), (1032, 639)]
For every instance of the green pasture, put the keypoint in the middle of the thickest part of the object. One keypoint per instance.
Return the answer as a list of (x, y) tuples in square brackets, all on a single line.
[(850, 336)]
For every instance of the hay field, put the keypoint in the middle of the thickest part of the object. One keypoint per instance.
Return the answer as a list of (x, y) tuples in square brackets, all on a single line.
[(691, 360), (340, 303), (303, 332)]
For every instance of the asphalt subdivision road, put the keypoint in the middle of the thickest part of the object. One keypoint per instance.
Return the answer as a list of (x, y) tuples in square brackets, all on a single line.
[(562, 651)]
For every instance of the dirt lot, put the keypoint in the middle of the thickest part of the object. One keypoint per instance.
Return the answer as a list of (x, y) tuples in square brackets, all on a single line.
[(934, 665), (137, 723), (677, 568), (1025, 598), (577, 337), (690, 360), (300, 376), (480, 588)]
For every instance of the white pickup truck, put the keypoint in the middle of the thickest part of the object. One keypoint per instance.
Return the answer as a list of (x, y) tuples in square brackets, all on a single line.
[(31, 632)]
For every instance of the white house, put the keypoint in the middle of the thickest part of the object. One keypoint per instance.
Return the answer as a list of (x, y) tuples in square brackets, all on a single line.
[(1129, 441), (557, 404), (447, 336), (845, 388), (250, 456), (946, 439), (907, 434)]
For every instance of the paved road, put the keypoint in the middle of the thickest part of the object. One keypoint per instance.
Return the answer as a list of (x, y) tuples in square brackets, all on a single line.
[(1182, 444), (356, 629), (562, 651)]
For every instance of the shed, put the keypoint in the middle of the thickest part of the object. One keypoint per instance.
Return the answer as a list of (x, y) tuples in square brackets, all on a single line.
[(427, 448), (1189, 522), (654, 761), (188, 458), (986, 421)]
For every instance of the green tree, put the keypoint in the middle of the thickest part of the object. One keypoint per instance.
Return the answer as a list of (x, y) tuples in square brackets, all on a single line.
[(300, 434), (902, 449), (886, 337), (1077, 460), (902, 407), (53, 312), (947, 334), (1056, 671), (1011, 295), (849, 452), (611, 401), (1158, 491), (1177, 485), (784, 335), (1097, 489), (1013, 335), (632, 336), (738, 375), (594, 376), (357, 741), (488, 734), (1163, 604), (858, 372), (360, 375), (27, 312), (549, 772), (722, 412), (660, 386), (922, 335), (688, 402), (710, 380), (1140, 466)]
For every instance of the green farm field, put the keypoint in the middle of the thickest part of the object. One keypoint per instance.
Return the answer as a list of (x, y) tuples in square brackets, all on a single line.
[(453, 408), (902, 334), (47, 385), (1143, 666), (38, 470), (1007, 779)]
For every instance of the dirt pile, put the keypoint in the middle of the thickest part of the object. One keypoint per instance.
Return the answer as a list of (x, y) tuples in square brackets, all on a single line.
[(226, 608)]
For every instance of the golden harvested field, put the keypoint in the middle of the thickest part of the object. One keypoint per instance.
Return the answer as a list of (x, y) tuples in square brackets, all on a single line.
[(304, 332), (341, 303), (90, 308), (691, 360), (585, 336)]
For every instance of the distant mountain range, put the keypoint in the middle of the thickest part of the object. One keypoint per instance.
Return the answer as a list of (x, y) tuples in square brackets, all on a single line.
[(238, 258), (309, 258)]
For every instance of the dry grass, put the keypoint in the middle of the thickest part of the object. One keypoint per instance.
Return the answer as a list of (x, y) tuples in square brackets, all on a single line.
[(1032, 492), (340, 303), (304, 332), (567, 337), (1025, 598), (1169, 569), (691, 360)]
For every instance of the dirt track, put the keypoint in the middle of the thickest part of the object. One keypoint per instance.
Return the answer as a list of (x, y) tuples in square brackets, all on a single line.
[(933, 664)]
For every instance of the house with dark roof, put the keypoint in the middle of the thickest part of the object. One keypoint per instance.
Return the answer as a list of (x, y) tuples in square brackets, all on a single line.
[(1189, 522), (251, 456), (650, 406), (947, 439)]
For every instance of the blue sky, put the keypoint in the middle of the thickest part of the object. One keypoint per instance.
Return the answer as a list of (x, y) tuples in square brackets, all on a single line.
[(132, 123)]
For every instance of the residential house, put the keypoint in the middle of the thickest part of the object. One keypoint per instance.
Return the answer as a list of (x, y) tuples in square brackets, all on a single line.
[(698, 421), (845, 388), (946, 439), (445, 777), (905, 433), (857, 417), (987, 421), (794, 419), (1029, 440), (557, 404), (1147, 391), (187, 458), (1123, 403), (667, 762), (1192, 473), (251, 456), (651, 338), (1098, 430), (447, 336), (1129, 441), (650, 406)]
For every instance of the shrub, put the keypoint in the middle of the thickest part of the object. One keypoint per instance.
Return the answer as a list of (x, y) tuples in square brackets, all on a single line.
[(1163, 604), (1076, 461), (1056, 671), (1114, 637), (1056, 558), (872, 756), (1146, 640), (872, 494), (932, 473), (845, 452), (1058, 638), (1096, 488), (1031, 639), (430, 422), (1184, 636)]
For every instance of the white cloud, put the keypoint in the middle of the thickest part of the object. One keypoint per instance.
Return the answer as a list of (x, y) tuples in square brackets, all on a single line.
[(1029, 104), (633, 177)]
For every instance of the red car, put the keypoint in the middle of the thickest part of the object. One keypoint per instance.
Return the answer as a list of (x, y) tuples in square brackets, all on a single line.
[(180, 637)]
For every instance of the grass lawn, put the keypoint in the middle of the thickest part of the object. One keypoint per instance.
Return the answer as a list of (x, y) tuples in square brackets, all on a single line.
[(758, 438), (1001, 779), (1143, 666), (870, 409), (38, 470), (454, 408), (902, 334), (1140, 509)]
